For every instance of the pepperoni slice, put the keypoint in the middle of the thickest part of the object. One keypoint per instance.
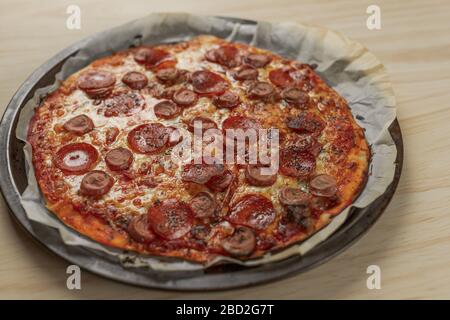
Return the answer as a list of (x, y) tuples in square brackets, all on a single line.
[(135, 80), (220, 182), (205, 123), (207, 82), (306, 123), (226, 55), (201, 173), (148, 138), (295, 97), (150, 57), (125, 104), (257, 60), (255, 176), (227, 100), (296, 163), (76, 158), (261, 91), (96, 183), (254, 211), (185, 97), (241, 243), (344, 136), (293, 197), (166, 109), (281, 78), (97, 83), (171, 219), (139, 230), (203, 205), (119, 159), (240, 122), (79, 125), (323, 185), (246, 73)]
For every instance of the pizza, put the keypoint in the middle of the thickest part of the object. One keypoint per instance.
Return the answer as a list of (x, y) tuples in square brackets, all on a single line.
[(103, 151)]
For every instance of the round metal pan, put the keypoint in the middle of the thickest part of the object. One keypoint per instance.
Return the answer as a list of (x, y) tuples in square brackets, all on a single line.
[(13, 182)]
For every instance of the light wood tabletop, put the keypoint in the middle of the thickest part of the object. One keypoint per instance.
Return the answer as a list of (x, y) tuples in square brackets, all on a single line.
[(411, 241)]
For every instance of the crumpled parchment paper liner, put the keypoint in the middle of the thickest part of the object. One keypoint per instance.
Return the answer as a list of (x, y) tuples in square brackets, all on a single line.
[(344, 64)]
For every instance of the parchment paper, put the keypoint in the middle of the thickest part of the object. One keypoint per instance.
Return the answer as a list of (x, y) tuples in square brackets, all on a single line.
[(344, 64)]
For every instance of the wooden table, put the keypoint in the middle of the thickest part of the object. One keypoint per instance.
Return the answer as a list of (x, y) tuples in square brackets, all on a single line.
[(410, 243)]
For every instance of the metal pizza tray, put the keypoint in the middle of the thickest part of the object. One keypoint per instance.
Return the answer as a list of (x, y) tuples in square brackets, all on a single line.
[(13, 182)]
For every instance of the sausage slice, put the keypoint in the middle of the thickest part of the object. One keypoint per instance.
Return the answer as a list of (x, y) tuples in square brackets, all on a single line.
[(168, 75), (201, 173), (323, 185), (97, 83), (166, 109), (79, 125), (257, 60), (260, 90), (135, 80), (255, 176), (296, 97), (138, 228), (241, 243), (246, 73), (227, 100), (119, 159), (293, 197), (220, 182), (203, 122), (185, 97), (96, 183)]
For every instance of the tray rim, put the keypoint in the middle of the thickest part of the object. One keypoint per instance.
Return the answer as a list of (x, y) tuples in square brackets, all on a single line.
[(214, 281)]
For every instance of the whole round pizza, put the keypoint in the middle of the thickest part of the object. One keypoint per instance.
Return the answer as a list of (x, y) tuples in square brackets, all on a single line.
[(198, 149)]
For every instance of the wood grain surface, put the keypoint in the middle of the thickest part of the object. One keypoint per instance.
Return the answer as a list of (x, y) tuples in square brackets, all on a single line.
[(411, 241)]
